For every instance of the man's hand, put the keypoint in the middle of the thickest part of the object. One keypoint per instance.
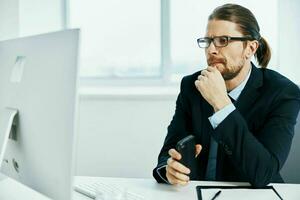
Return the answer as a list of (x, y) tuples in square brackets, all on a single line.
[(176, 172), (212, 87)]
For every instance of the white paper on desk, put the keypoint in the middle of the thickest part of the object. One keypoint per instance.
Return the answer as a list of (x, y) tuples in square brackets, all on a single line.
[(245, 194)]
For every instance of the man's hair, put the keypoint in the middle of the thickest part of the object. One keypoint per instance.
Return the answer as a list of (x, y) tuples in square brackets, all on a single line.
[(248, 26)]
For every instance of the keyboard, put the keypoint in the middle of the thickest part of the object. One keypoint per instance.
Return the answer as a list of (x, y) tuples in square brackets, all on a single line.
[(93, 189)]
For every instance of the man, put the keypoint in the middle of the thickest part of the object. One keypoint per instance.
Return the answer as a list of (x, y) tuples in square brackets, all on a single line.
[(242, 116)]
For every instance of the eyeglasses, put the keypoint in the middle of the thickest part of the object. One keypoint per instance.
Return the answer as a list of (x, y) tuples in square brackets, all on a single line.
[(219, 41)]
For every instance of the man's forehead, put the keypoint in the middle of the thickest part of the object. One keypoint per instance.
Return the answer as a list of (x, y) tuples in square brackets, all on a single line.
[(222, 27)]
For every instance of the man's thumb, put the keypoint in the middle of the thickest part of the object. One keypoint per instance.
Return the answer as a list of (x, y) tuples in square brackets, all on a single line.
[(198, 149)]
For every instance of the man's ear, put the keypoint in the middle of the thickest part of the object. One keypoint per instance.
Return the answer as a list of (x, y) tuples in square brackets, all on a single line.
[(252, 47)]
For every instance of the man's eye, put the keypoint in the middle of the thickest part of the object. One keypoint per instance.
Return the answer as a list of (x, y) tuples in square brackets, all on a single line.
[(222, 40)]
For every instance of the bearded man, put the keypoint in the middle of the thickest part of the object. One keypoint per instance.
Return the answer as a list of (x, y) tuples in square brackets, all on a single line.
[(242, 116)]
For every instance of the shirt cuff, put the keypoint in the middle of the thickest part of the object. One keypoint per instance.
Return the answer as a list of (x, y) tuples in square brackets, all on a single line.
[(219, 116), (161, 171)]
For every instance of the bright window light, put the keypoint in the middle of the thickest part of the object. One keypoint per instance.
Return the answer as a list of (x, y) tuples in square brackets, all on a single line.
[(119, 38)]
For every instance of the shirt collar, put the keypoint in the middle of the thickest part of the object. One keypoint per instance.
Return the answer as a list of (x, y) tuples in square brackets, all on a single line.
[(235, 93)]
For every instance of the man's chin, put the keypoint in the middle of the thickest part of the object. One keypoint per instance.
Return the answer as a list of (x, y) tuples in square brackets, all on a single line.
[(229, 76)]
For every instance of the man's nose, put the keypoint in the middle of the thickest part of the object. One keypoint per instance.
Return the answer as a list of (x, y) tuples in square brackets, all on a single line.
[(211, 49)]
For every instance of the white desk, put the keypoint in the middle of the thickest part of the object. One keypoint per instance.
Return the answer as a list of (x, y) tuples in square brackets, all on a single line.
[(152, 190), (12, 190)]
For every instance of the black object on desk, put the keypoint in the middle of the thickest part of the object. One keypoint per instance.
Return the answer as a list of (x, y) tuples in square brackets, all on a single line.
[(199, 188), (186, 147), (216, 195)]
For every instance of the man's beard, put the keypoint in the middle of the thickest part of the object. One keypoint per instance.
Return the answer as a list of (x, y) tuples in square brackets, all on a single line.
[(229, 72)]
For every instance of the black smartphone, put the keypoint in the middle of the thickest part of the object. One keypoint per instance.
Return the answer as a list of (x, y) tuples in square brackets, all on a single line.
[(186, 147)]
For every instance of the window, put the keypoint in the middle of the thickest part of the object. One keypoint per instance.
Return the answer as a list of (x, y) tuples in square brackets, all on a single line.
[(152, 38), (119, 38)]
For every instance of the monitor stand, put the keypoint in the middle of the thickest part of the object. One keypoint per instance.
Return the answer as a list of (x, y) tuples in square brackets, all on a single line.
[(8, 127)]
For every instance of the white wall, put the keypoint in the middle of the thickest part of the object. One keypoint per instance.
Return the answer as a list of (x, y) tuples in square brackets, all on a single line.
[(40, 16), (289, 39), (30, 17), (121, 135), (9, 19)]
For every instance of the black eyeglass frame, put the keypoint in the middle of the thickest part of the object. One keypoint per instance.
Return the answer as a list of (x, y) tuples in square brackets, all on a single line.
[(227, 39)]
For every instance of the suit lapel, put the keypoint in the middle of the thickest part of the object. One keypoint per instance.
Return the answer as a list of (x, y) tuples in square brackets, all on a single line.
[(208, 112), (245, 101), (250, 92)]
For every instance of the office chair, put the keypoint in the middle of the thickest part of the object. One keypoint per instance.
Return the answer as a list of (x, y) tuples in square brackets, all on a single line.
[(290, 171)]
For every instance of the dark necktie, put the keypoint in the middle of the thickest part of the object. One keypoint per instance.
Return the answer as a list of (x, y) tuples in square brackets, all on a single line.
[(210, 174)]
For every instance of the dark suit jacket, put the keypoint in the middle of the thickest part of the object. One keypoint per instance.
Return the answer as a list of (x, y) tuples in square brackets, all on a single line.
[(253, 141)]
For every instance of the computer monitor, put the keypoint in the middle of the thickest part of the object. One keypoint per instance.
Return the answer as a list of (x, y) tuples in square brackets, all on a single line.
[(38, 77)]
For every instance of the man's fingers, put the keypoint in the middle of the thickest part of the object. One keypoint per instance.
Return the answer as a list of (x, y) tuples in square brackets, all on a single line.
[(198, 149), (177, 174), (201, 77), (204, 73), (171, 178), (174, 181), (211, 69), (174, 154), (198, 83), (178, 166)]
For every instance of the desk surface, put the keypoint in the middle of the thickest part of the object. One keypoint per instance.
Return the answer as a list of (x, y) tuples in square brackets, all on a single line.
[(152, 190), (12, 190)]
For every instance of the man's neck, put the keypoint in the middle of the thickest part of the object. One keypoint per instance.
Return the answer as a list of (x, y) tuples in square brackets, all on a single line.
[(233, 83)]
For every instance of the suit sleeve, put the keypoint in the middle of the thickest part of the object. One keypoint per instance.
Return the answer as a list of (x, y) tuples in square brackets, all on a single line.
[(258, 156), (177, 129)]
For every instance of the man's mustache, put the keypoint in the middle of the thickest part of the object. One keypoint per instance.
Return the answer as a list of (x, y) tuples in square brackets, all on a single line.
[(213, 60)]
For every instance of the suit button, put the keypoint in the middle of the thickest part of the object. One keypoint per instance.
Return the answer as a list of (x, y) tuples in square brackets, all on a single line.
[(226, 149), (229, 152)]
